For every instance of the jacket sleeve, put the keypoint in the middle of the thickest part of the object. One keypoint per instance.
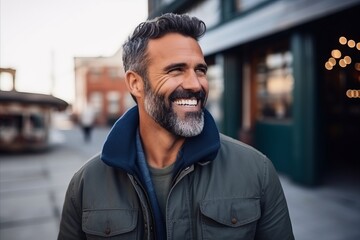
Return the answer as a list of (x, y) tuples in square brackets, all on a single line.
[(71, 218), (275, 220)]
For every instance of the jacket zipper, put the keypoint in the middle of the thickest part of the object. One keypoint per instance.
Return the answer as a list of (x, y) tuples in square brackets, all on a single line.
[(180, 175), (145, 205)]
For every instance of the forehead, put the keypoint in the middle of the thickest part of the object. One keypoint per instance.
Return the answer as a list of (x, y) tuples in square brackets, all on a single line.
[(174, 47)]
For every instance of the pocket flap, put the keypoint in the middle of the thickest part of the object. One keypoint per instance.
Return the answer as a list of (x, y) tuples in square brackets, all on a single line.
[(232, 212), (109, 222)]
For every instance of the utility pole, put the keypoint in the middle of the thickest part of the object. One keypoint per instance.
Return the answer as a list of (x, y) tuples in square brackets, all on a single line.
[(13, 74), (52, 74)]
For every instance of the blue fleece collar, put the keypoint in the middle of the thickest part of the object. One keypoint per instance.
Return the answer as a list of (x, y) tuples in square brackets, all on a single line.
[(149, 186), (119, 149)]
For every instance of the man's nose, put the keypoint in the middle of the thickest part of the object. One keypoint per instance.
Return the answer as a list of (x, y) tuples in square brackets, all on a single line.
[(191, 81)]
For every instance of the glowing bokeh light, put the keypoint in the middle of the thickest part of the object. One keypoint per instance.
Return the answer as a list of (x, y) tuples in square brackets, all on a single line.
[(342, 40), (328, 66), (357, 66), (336, 53), (351, 43), (332, 61), (342, 63), (347, 59)]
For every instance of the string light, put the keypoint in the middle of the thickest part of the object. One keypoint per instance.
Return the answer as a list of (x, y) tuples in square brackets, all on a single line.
[(342, 63), (347, 59), (342, 40), (336, 53), (357, 66), (332, 61), (351, 43), (328, 66)]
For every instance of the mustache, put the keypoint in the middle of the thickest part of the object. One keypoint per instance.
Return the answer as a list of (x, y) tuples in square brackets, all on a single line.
[(181, 93)]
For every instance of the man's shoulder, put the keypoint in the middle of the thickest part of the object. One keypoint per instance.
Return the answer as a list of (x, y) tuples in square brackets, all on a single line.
[(237, 154), (91, 167), (92, 162), (232, 145), (240, 165)]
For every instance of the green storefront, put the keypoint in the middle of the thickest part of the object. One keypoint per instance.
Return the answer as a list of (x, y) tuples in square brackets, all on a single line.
[(275, 84), (277, 95)]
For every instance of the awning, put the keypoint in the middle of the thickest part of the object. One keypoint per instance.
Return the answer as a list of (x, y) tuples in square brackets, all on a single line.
[(272, 18), (32, 98)]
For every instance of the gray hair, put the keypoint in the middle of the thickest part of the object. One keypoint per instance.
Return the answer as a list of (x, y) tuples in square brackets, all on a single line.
[(134, 49)]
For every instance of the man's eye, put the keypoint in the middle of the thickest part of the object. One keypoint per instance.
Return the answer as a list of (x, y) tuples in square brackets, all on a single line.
[(201, 71), (175, 70)]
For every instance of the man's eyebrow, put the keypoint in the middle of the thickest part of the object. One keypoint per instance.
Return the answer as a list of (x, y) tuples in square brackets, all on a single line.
[(183, 65)]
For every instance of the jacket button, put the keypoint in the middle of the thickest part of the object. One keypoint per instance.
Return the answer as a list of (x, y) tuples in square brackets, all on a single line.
[(233, 220), (107, 231)]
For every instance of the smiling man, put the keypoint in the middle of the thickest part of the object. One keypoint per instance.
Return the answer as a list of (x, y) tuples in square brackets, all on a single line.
[(165, 172), (181, 112)]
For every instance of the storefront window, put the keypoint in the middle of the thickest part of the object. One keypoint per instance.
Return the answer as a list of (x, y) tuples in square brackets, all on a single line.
[(274, 86), (216, 88), (202, 9), (243, 5), (233, 8)]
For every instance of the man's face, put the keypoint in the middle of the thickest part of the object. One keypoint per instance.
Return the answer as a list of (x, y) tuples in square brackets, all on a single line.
[(177, 88)]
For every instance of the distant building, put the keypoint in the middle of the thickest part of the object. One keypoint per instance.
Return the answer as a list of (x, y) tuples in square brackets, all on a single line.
[(25, 118), (99, 81), (286, 77)]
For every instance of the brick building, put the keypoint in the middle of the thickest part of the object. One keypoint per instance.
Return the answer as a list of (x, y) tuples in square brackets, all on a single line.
[(99, 81)]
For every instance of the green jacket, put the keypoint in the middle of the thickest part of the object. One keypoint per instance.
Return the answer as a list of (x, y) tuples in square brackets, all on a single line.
[(237, 195)]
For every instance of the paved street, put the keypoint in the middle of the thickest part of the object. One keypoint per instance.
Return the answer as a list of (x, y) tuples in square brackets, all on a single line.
[(32, 188)]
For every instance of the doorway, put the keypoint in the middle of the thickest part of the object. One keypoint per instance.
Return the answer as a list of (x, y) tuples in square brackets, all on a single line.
[(338, 50)]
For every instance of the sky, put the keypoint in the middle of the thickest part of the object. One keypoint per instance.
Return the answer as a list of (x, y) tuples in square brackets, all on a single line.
[(40, 38)]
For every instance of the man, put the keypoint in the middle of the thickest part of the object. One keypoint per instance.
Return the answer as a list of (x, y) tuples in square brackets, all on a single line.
[(87, 119), (165, 172)]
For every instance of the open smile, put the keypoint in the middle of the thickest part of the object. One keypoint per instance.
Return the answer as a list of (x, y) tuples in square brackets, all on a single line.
[(186, 102), (185, 105)]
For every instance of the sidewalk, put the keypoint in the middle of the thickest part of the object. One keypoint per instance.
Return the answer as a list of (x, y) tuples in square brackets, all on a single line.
[(33, 186), (328, 212), (32, 189)]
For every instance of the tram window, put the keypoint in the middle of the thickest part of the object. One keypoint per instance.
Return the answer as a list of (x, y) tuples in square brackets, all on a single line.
[(11, 120), (37, 121)]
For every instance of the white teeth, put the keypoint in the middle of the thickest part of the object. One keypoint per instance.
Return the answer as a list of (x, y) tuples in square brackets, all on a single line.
[(186, 102)]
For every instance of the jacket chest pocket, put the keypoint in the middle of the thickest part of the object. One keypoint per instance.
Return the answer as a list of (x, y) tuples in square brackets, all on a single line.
[(110, 223), (234, 218)]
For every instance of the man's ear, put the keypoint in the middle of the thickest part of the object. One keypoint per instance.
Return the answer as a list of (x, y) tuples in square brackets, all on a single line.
[(134, 83)]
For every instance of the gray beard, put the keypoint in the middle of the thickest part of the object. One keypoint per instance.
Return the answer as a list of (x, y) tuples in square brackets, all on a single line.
[(189, 127), (155, 106)]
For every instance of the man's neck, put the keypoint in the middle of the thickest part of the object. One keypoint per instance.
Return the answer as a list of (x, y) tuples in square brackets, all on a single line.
[(160, 146)]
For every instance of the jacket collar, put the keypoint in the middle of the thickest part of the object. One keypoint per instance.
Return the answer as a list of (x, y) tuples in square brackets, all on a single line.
[(119, 149)]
